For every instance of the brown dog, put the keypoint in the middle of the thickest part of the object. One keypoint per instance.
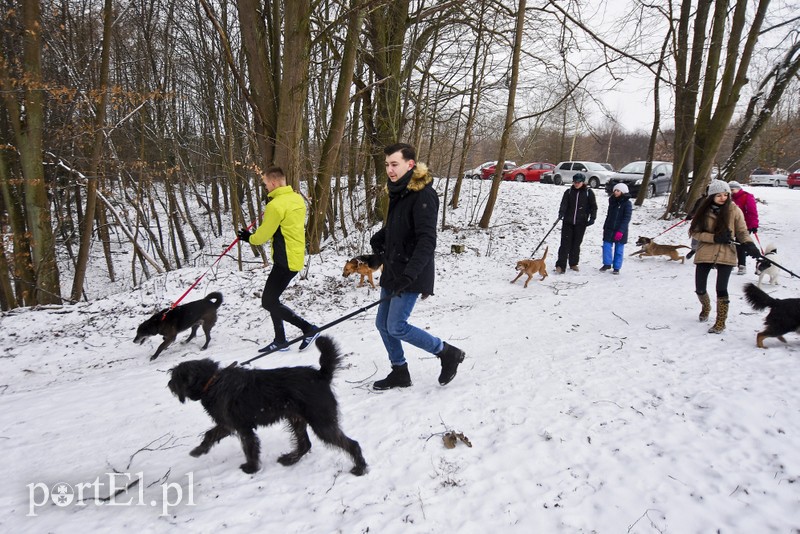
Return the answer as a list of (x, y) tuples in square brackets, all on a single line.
[(651, 248), (363, 265), (531, 267)]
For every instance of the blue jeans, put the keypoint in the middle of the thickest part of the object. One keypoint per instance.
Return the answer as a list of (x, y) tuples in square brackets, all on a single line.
[(392, 323), (613, 254)]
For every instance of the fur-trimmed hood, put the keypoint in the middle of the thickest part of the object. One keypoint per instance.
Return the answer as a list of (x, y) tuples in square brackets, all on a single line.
[(420, 178)]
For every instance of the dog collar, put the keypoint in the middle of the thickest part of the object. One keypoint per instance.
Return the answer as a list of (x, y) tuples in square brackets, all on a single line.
[(210, 382)]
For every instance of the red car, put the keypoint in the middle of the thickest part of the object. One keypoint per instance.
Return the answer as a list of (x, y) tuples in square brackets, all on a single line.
[(488, 172), (793, 180), (530, 172)]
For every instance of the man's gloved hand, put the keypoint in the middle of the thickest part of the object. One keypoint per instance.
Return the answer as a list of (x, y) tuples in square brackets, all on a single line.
[(244, 235), (617, 236), (590, 222), (752, 250), (401, 284), (724, 238), (753, 230)]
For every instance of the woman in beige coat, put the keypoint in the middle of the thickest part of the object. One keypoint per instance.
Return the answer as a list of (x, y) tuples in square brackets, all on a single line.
[(717, 226)]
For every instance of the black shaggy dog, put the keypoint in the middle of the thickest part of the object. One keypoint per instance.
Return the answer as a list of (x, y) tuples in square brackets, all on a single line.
[(784, 315), (239, 400), (169, 322)]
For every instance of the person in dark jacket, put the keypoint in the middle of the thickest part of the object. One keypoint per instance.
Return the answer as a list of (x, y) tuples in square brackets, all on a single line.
[(615, 229), (407, 243), (577, 211)]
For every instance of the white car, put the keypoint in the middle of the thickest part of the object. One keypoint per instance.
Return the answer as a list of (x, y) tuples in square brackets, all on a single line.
[(775, 178), (596, 174), (475, 173)]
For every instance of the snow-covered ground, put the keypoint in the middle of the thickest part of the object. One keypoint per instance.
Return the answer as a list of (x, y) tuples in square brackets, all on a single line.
[(593, 403)]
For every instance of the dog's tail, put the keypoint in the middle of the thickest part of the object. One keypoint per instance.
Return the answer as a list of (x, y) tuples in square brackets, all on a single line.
[(757, 298), (328, 358), (545, 252), (215, 297)]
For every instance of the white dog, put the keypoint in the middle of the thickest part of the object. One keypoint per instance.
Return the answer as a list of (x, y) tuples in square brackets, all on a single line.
[(765, 267)]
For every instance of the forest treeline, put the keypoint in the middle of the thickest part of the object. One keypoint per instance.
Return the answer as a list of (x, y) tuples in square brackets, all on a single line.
[(150, 120)]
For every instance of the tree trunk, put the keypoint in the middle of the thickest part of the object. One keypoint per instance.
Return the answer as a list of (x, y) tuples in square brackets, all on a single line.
[(97, 152), (512, 93), (333, 141), (293, 89)]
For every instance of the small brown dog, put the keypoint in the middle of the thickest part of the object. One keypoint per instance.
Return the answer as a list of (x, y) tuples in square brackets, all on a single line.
[(651, 248), (363, 265), (531, 267)]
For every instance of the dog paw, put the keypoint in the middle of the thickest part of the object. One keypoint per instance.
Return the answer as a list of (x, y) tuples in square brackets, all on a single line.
[(198, 451), (290, 458), (249, 468), (359, 470)]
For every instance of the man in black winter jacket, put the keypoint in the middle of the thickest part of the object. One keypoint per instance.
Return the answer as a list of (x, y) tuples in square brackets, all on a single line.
[(407, 243), (577, 211)]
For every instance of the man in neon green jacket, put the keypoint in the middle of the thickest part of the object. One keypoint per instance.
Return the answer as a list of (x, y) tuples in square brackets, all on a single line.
[(284, 226)]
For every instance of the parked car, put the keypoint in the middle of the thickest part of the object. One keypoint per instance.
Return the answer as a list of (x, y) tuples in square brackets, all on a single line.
[(596, 174), (546, 178), (530, 172), (608, 166), (632, 175), (793, 180), (488, 172), (774, 178), (475, 173)]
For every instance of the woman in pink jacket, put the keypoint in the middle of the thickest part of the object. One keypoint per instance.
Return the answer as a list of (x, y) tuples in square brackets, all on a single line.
[(746, 203)]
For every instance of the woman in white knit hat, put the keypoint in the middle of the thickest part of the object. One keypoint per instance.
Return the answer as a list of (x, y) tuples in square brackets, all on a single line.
[(615, 229), (717, 224)]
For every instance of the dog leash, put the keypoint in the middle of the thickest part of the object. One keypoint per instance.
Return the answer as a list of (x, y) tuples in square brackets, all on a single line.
[(763, 257), (175, 304), (671, 227), (545, 237), (320, 329), (759, 242)]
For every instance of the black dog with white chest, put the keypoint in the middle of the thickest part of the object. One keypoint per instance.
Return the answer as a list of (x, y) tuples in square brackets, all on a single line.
[(169, 322), (239, 400)]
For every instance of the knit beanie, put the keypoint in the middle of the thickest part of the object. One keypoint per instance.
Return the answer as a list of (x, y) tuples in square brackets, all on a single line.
[(622, 188), (718, 186), (733, 184)]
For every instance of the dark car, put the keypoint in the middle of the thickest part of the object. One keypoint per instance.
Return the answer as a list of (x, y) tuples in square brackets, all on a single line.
[(632, 175), (530, 172)]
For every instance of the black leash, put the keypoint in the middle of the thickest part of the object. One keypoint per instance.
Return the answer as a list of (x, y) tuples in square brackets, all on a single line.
[(321, 328), (763, 257), (545, 237)]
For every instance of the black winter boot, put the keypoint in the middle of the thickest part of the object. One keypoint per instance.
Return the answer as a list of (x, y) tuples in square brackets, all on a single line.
[(450, 357), (398, 378)]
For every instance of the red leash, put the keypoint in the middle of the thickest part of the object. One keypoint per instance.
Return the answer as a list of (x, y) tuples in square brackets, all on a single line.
[(671, 227), (175, 304), (759, 242)]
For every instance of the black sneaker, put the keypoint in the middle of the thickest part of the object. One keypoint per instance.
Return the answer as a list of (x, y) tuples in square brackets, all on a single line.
[(604, 268), (398, 378), (309, 339), (615, 271), (275, 346), (450, 357)]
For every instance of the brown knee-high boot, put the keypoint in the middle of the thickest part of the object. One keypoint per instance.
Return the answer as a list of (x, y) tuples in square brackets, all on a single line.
[(705, 301), (722, 316)]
